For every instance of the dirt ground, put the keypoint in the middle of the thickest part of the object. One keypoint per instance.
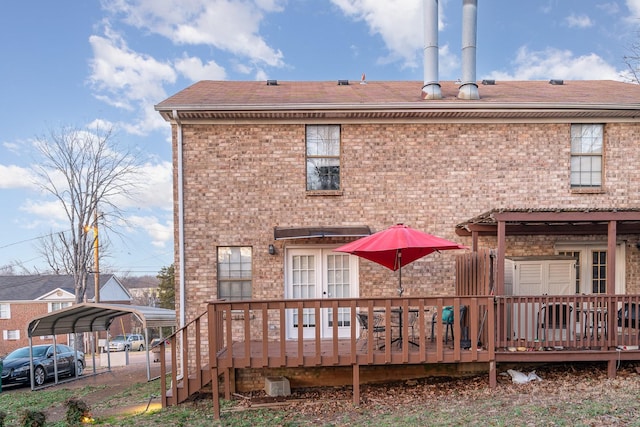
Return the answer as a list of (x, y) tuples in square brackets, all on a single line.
[(560, 382), (111, 383)]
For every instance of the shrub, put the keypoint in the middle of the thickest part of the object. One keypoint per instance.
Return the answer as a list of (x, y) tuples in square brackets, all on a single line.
[(3, 415), (29, 418), (77, 411)]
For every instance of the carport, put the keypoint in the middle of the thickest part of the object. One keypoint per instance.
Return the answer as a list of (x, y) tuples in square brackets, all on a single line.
[(90, 317)]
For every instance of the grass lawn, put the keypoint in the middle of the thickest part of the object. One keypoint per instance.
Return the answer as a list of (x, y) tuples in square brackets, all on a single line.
[(568, 395)]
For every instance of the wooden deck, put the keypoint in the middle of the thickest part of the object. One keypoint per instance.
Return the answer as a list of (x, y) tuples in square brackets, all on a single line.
[(232, 336)]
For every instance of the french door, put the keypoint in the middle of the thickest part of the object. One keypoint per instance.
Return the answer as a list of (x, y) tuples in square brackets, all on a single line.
[(591, 267), (317, 273)]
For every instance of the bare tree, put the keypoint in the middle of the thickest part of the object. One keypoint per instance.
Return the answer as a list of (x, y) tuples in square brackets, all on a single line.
[(88, 176), (632, 60)]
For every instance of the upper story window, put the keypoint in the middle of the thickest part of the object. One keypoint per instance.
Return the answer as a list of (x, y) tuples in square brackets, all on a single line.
[(58, 305), (5, 311), (586, 155), (323, 157), (234, 272)]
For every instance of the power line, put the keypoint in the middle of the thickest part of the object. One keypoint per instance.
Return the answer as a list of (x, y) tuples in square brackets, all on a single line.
[(32, 239)]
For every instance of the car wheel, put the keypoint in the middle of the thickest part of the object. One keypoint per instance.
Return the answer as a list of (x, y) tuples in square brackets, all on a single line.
[(79, 368), (141, 347), (39, 376)]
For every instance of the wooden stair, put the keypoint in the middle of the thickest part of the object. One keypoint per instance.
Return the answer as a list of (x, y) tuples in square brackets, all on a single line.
[(177, 390)]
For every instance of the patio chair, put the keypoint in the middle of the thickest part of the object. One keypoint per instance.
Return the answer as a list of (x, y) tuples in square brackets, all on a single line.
[(367, 328), (447, 320), (554, 316), (628, 315)]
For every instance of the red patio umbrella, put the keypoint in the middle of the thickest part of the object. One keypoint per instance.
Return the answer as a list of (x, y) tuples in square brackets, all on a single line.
[(397, 246)]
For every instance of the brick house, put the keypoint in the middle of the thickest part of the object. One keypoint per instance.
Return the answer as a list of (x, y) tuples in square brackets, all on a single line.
[(270, 177), (538, 178), (268, 174), (24, 297)]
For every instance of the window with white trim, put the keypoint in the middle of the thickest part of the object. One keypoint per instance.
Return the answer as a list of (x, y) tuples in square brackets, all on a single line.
[(11, 335), (586, 155), (5, 311), (323, 157), (591, 266), (53, 306), (234, 272)]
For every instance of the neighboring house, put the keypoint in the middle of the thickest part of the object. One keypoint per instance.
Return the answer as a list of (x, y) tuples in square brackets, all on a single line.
[(143, 289), (25, 297)]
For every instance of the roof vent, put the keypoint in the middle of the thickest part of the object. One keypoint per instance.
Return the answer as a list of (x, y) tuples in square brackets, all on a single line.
[(488, 82), (556, 82), (272, 83), (343, 82)]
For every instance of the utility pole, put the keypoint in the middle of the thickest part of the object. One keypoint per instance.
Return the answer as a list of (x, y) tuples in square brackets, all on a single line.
[(96, 264), (96, 273)]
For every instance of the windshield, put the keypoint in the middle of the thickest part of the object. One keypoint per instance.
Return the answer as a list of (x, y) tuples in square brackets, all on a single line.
[(24, 352), (119, 338)]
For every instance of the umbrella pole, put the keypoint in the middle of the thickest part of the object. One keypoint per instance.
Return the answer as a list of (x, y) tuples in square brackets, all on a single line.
[(399, 259)]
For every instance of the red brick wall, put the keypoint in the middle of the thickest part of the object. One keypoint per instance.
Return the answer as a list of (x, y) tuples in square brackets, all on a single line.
[(21, 314), (241, 180)]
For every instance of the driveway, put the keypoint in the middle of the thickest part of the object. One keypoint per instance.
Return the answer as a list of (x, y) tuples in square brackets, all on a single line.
[(107, 384)]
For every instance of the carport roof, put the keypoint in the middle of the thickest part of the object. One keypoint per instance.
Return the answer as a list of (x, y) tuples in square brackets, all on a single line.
[(89, 317)]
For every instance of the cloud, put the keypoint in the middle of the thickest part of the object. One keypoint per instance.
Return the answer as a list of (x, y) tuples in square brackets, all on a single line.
[(161, 232), (195, 70), (12, 147), (578, 21), (153, 188), (634, 9), (401, 27), (49, 212), (17, 177), (128, 80), (399, 24), (231, 26), (554, 63)]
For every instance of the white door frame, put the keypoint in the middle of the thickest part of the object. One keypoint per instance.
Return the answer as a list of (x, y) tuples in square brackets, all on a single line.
[(318, 289)]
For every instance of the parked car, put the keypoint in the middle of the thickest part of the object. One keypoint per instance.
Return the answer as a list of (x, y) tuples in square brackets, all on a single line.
[(127, 342), (16, 370)]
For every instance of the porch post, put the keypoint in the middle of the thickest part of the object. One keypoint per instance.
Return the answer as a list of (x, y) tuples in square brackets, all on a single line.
[(611, 257), (501, 256), (474, 241), (612, 232), (356, 384)]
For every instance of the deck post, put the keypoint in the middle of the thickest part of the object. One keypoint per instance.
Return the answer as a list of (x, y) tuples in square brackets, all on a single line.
[(356, 384), (611, 368), (227, 384), (215, 392), (493, 374)]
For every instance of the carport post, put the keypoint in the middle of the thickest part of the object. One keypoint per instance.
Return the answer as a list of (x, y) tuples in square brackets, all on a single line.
[(94, 347), (55, 359), (146, 349)]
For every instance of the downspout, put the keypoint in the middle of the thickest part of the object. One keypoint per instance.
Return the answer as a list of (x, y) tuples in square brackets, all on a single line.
[(180, 185), (469, 87), (431, 88)]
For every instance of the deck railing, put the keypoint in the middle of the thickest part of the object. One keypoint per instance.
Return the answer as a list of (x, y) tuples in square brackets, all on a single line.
[(264, 334), (265, 322), (577, 322)]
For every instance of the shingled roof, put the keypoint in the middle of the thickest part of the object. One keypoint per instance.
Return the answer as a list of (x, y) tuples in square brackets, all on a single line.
[(401, 99), (32, 287)]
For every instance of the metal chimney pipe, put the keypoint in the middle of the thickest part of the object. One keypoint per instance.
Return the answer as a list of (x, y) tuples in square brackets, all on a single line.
[(431, 88), (469, 87)]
